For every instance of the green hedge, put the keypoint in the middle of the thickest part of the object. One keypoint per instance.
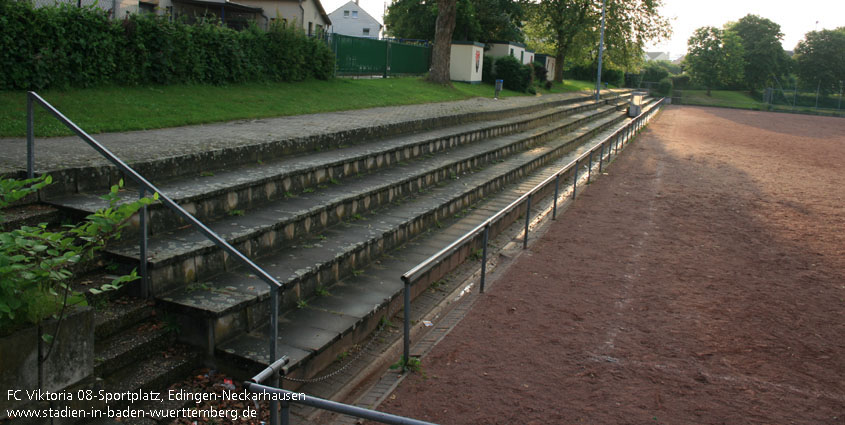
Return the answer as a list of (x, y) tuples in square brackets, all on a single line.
[(65, 46)]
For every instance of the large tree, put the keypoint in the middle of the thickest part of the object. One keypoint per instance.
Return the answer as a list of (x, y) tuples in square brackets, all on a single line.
[(475, 20), (571, 27), (441, 53), (714, 58), (820, 59), (764, 57)]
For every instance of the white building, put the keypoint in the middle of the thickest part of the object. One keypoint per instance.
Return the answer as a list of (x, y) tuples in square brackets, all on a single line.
[(499, 49), (351, 19), (656, 56)]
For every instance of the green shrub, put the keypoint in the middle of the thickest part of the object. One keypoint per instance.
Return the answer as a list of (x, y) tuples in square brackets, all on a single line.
[(64, 45), (681, 82), (540, 72), (664, 87), (37, 263), (516, 76), (487, 70)]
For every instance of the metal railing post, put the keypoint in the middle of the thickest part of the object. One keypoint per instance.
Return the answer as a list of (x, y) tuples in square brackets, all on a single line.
[(575, 179), (590, 167), (285, 413), (527, 220), (484, 256), (144, 229), (30, 138), (274, 347), (601, 157), (554, 201), (406, 349)]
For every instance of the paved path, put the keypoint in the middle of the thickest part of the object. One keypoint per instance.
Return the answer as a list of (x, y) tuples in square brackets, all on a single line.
[(65, 152)]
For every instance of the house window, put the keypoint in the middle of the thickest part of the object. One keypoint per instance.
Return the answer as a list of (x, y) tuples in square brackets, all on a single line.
[(310, 29), (512, 51), (354, 14), (345, 13), (366, 31)]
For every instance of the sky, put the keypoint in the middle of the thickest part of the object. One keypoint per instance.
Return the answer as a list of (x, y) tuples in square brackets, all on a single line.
[(794, 17)]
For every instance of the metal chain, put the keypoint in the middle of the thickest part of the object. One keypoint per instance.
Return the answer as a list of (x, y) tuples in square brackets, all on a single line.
[(344, 367)]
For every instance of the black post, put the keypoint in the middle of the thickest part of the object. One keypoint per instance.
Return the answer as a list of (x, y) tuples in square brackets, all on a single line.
[(407, 337), (554, 207), (142, 221), (30, 137), (484, 257), (527, 220), (601, 156), (590, 167), (575, 179)]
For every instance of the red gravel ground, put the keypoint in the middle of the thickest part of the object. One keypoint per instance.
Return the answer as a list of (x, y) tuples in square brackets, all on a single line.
[(701, 282)]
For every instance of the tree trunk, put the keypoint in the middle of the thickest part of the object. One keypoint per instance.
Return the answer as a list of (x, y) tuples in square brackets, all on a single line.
[(559, 67), (441, 54)]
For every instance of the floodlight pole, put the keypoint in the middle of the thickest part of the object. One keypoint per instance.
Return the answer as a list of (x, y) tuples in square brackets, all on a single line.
[(601, 50)]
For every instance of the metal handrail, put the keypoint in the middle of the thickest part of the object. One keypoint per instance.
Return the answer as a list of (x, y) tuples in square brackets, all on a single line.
[(427, 264), (145, 186), (333, 406)]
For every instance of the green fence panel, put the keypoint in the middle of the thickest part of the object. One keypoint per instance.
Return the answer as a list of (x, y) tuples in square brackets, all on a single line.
[(366, 56), (409, 58)]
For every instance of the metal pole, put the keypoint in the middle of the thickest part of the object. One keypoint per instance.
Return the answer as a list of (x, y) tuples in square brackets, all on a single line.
[(554, 201), (575, 178), (601, 155), (274, 347), (484, 257), (30, 138), (144, 229), (818, 87), (590, 167), (407, 337), (285, 413), (527, 220), (601, 51)]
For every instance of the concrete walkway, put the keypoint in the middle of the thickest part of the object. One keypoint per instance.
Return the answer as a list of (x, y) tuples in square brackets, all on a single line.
[(139, 146)]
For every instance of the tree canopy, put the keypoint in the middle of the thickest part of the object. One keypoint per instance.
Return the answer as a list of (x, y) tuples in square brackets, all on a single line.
[(715, 58), (820, 59), (475, 20), (763, 55), (570, 27)]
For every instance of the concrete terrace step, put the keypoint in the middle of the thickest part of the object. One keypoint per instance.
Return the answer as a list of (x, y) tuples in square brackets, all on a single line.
[(184, 256), (173, 152), (234, 302), (217, 192), (349, 310)]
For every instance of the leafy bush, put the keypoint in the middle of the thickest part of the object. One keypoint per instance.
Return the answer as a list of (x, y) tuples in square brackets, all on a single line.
[(65, 45), (487, 70), (681, 82), (664, 87), (516, 76), (540, 72), (37, 263), (588, 73)]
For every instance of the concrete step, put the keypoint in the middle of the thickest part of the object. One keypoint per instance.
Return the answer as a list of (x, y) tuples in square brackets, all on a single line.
[(213, 193), (184, 256), (345, 313), (130, 345), (223, 306)]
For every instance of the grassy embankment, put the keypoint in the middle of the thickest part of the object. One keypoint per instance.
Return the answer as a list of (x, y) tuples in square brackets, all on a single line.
[(110, 109)]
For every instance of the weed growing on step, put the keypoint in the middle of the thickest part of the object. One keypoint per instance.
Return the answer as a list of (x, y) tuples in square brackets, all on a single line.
[(357, 272), (308, 190), (477, 255), (334, 181), (321, 291), (413, 365), (289, 194), (236, 213), (206, 174), (301, 303)]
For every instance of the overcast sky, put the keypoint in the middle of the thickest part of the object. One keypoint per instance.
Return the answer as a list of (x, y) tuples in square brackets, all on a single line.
[(794, 17)]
